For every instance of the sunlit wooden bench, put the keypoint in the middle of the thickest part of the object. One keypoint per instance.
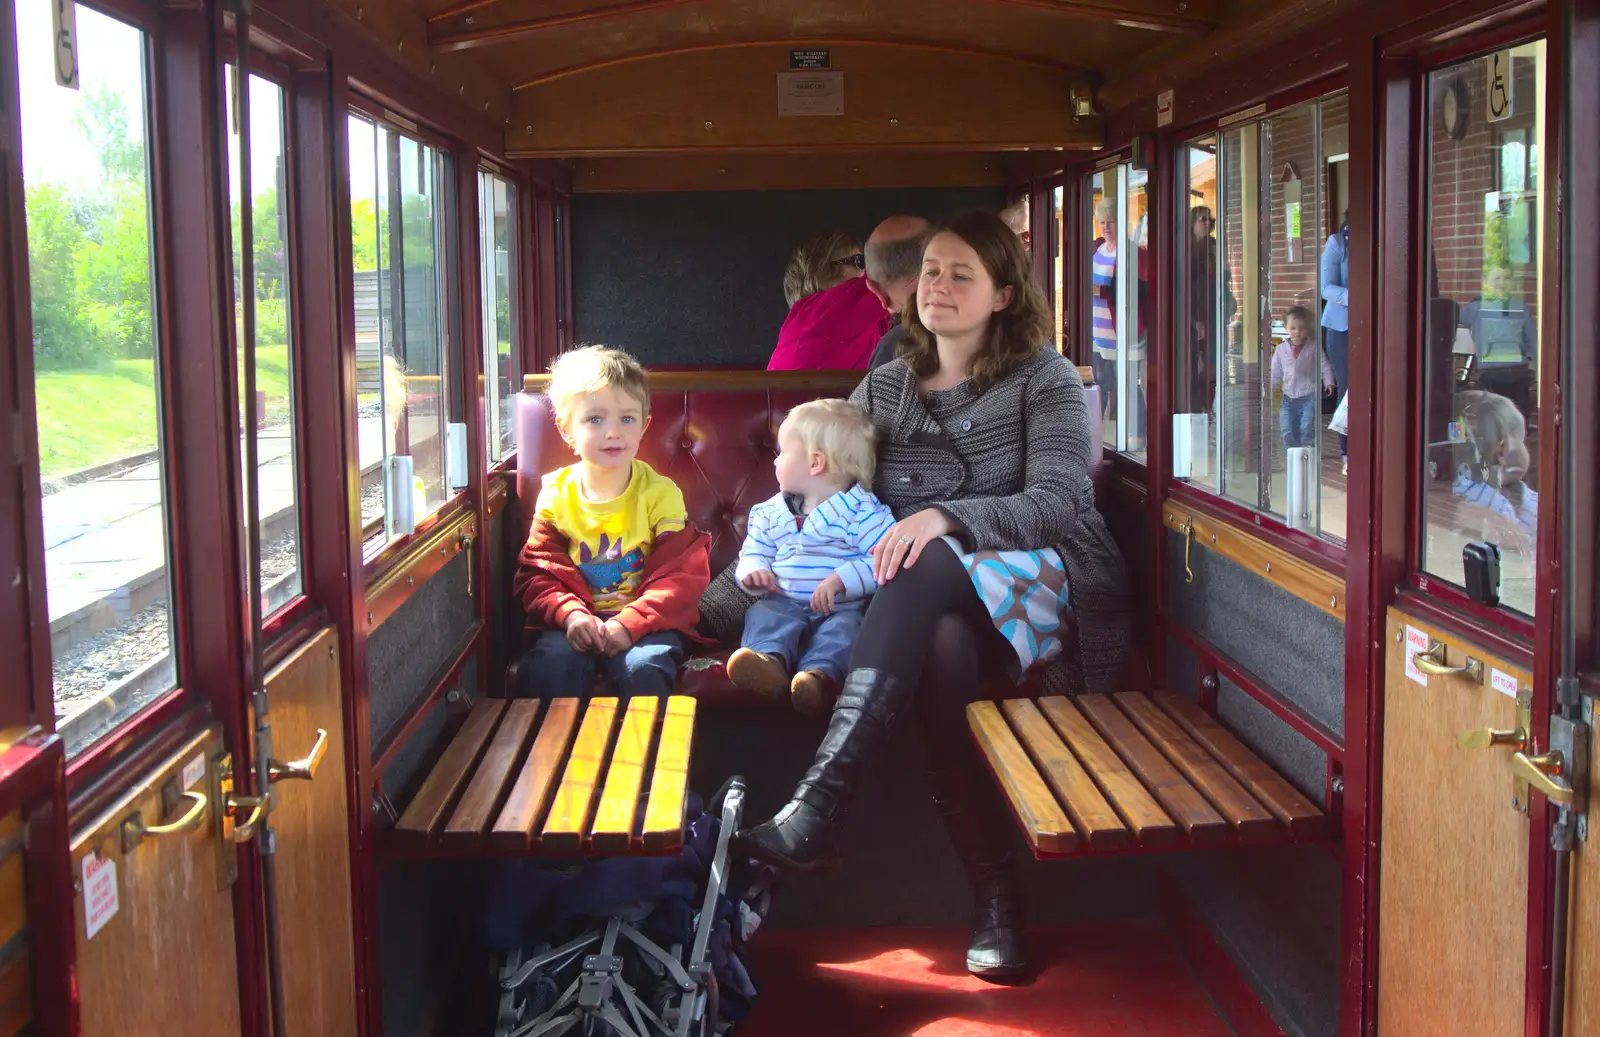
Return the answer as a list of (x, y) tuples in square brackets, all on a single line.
[(521, 778), (1133, 772)]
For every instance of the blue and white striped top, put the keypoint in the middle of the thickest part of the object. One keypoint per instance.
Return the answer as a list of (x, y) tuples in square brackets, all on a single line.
[(802, 551)]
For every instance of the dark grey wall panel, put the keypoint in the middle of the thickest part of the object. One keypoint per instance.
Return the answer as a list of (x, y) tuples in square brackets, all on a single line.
[(697, 277), (505, 615), (1183, 668), (1305, 765), (421, 907), (1275, 911), (1297, 649), (406, 651)]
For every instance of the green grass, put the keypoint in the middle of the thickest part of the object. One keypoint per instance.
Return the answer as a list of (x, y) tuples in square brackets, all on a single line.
[(98, 414)]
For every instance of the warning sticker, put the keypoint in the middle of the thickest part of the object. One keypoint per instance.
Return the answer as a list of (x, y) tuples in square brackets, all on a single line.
[(99, 893), (1416, 641), (1503, 682), (194, 770)]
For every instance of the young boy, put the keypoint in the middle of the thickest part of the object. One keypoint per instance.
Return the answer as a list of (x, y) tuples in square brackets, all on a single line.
[(807, 549), (1294, 364), (612, 571)]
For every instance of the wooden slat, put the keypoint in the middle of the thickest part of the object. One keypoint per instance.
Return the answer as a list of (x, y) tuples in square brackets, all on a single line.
[(1181, 800), (16, 995), (1232, 800), (563, 830), (1043, 821), (431, 803), (525, 804), (1284, 800), (612, 830), (476, 809), (1150, 824), (669, 784), (1090, 813)]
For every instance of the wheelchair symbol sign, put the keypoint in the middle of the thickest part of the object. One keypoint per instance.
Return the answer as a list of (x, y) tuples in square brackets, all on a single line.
[(1499, 92), (64, 18)]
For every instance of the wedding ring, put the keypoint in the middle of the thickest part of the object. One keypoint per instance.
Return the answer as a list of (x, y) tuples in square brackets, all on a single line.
[(905, 540)]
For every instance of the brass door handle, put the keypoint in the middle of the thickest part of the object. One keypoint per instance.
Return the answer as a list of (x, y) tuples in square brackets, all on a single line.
[(259, 807), (303, 770), (1432, 663), (1488, 737), (134, 829), (1543, 772), (1187, 529), (467, 540)]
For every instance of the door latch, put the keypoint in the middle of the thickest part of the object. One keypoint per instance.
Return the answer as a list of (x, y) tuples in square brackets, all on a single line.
[(1569, 745)]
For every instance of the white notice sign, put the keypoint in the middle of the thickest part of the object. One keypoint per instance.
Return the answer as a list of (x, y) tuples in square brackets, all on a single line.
[(194, 770), (810, 93), (64, 45), (1164, 108), (1416, 641), (99, 893), (1503, 682)]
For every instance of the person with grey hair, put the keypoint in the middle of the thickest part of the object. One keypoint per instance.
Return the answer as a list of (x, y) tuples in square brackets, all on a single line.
[(894, 261)]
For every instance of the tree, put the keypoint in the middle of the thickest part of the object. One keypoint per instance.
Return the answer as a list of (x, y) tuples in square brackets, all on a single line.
[(364, 233), (103, 117), (61, 336)]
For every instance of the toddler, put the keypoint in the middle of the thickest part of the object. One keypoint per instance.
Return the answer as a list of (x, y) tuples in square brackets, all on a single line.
[(1294, 365), (806, 549), (612, 571)]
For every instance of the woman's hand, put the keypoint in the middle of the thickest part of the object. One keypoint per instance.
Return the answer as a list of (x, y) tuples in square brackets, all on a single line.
[(904, 541)]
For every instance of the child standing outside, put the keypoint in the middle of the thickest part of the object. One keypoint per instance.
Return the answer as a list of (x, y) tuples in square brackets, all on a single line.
[(807, 549), (612, 571), (1294, 366)]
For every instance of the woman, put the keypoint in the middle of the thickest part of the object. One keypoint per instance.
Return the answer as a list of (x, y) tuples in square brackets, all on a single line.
[(834, 320), (984, 457), (1336, 318), (820, 262)]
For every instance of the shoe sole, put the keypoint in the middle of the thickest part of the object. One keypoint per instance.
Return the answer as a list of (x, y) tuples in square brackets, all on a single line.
[(812, 699), (753, 673)]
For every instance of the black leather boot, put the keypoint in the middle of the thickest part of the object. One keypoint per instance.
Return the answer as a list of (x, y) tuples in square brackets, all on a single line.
[(981, 841), (800, 838)]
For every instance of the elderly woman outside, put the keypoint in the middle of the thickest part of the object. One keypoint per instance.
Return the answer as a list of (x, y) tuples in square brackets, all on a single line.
[(984, 443)]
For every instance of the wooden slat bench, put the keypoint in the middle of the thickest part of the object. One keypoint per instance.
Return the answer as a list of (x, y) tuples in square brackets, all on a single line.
[(1133, 772), (563, 779)]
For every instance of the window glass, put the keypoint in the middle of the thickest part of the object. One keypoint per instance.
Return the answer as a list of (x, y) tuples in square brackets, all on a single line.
[(1058, 278), (1119, 301), (86, 177), (1261, 355), (277, 514), (1485, 205), (405, 371), (497, 199)]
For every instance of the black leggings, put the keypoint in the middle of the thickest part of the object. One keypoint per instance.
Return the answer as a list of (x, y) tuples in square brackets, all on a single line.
[(928, 628)]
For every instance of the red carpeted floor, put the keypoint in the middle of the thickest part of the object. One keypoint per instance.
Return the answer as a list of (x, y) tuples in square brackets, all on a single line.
[(1112, 980)]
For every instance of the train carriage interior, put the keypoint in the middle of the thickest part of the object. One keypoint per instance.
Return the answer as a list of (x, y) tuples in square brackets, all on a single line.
[(281, 286)]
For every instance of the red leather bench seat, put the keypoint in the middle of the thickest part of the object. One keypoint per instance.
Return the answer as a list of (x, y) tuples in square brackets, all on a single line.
[(715, 434)]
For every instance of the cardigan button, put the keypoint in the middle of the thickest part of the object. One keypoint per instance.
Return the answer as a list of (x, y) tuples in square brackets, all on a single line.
[(916, 478), (966, 426)]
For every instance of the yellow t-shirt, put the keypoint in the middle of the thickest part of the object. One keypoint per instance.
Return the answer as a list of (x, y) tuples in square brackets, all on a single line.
[(611, 539)]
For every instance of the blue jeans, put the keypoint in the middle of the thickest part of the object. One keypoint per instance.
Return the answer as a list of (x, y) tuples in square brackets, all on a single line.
[(552, 668), (1297, 420), (804, 639)]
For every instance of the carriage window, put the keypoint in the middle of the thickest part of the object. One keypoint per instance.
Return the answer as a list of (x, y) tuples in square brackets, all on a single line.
[(405, 362), (277, 511), (1485, 205), (1119, 306), (497, 200), (1058, 276), (1261, 357), (97, 374)]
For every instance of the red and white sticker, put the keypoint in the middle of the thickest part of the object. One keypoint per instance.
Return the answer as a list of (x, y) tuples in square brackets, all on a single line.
[(1416, 641), (1503, 682), (194, 770), (99, 893)]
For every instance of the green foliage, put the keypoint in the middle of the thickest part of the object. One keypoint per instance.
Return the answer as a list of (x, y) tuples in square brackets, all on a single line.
[(364, 234), (103, 118), (61, 336)]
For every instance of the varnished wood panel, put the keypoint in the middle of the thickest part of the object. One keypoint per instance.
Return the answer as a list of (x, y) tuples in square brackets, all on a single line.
[(1453, 904), (1305, 581), (728, 101), (1178, 797), (842, 382), (1583, 962), (1090, 813), (669, 783), (478, 803), (525, 804), (433, 801), (612, 830), (312, 821), (13, 891), (165, 964), (1247, 816), (1150, 824), (1044, 822), (785, 172), (1283, 799), (569, 813), (16, 995)]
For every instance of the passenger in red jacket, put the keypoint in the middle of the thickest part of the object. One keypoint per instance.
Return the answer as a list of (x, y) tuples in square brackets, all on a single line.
[(612, 572)]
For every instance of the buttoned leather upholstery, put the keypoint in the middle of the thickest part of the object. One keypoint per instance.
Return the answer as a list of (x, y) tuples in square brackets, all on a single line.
[(714, 433)]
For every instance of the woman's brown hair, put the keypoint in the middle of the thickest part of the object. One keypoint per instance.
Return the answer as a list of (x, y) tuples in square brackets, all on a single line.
[(1016, 333)]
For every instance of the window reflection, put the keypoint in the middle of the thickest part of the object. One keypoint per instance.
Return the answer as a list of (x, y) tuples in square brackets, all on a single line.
[(497, 199), (1485, 204), (1119, 301)]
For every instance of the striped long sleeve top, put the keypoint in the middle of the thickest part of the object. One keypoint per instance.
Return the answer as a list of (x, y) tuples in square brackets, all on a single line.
[(804, 550)]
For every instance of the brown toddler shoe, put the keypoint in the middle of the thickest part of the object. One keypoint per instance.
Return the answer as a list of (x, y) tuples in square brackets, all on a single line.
[(812, 693), (759, 672)]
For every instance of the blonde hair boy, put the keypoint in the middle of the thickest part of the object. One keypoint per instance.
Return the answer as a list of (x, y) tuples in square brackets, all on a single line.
[(841, 432), (588, 369)]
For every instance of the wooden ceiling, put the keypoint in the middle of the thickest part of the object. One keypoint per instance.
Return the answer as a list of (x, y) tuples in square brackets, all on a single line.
[(612, 79)]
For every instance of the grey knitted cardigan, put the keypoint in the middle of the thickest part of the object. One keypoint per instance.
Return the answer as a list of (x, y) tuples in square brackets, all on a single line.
[(1012, 466)]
